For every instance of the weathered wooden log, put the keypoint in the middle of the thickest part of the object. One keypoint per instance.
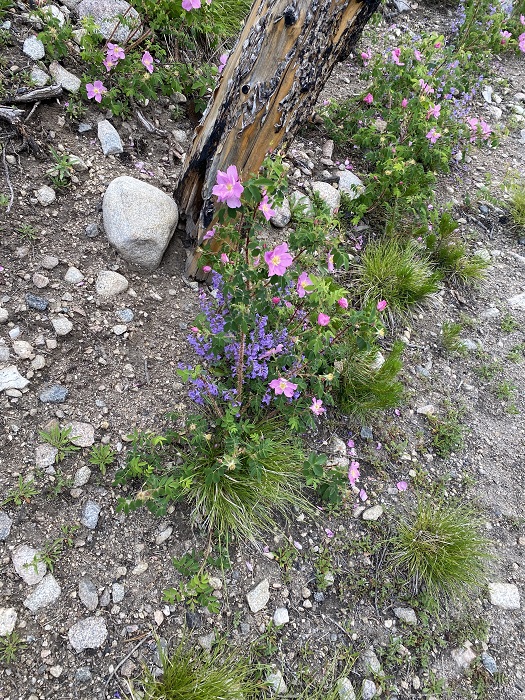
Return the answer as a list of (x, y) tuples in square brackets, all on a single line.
[(37, 95), (268, 89)]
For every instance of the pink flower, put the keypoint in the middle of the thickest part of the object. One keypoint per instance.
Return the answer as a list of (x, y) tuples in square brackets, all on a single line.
[(194, 329), (353, 472), (485, 129), (302, 283), (417, 55), (350, 444), (206, 269), (438, 45), (115, 52), (434, 111), (278, 260), (363, 495), (381, 305), (522, 19), (329, 532), (266, 209), (228, 188), (209, 234), (109, 63), (275, 300), (330, 262), (366, 56), (191, 5), (343, 302), (396, 53), (505, 36), (283, 386), (404, 102), (368, 99), (323, 320), (224, 258), (425, 87), (223, 59), (433, 135), (401, 485), (147, 59), (317, 407), (95, 90), (521, 42)]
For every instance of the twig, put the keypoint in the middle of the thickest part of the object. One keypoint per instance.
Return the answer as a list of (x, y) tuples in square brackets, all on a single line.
[(36, 95), (34, 107), (340, 627), (128, 656), (8, 180)]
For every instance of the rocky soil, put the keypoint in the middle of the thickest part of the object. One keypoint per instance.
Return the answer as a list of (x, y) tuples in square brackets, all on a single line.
[(92, 342)]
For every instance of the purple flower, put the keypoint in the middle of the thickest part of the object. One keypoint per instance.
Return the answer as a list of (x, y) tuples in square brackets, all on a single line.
[(147, 59), (302, 283), (278, 260), (228, 188), (95, 90)]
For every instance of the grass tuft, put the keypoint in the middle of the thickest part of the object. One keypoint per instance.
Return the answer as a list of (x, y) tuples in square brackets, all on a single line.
[(439, 546), (396, 271)]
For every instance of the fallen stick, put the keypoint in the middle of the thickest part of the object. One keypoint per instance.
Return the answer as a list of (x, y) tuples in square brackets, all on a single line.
[(37, 95)]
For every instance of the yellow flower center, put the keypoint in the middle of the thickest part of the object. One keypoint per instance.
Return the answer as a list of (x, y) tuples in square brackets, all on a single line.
[(276, 259)]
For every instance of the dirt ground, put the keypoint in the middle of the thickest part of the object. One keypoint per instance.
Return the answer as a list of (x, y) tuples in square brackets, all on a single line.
[(119, 382)]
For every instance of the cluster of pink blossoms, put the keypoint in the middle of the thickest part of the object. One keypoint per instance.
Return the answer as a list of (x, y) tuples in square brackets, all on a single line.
[(114, 54), (193, 4), (478, 127)]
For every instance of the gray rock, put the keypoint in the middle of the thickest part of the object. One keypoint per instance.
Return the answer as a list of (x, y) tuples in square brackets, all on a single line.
[(10, 378), (45, 195), (139, 220), (119, 329), (110, 283), (117, 592), (109, 139), (73, 276), (504, 595), (78, 164), (471, 345), (54, 12), (81, 477), (489, 662), (92, 230), (402, 5), (407, 615), (4, 354), (83, 127), (345, 689), (281, 616), (350, 184), (4, 315), (367, 433), (82, 434), (368, 662), (39, 78), (496, 112), (7, 621), (90, 633), (83, 675), (282, 215), (49, 262), (45, 455), (34, 48), (298, 199), (373, 513), (259, 596), (37, 303), (5, 525), (488, 314), (517, 302), (368, 690), (463, 657), (54, 394), (105, 13), (31, 570), (23, 349), (124, 315), (63, 77), (487, 93), (330, 196), (47, 592), (276, 682), (206, 641), (90, 515), (61, 325), (87, 592), (164, 535)]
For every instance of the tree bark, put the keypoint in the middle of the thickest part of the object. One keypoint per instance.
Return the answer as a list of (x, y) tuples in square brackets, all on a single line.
[(268, 89)]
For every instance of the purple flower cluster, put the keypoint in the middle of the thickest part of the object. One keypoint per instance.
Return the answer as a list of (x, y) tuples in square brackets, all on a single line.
[(262, 347)]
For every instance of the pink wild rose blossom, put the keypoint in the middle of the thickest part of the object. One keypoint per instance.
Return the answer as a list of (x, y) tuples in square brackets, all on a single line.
[(433, 135), (147, 61), (206, 269), (95, 90), (323, 320), (396, 53), (191, 5), (330, 262), (317, 407), (115, 52), (108, 62), (381, 305), (417, 55), (434, 111), (353, 472), (228, 188), (224, 258), (278, 260), (283, 386), (343, 302), (303, 282), (404, 102), (209, 234), (402, 485), (366, 56), (223, 60), (368, 99), (266, 208), (505, 36)]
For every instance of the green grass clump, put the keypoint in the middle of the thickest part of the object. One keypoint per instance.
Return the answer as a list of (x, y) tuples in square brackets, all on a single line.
[(396, 271), (193, 675), (439, 546), (448, 430), (451, 339), (365, 387), (517, 203)]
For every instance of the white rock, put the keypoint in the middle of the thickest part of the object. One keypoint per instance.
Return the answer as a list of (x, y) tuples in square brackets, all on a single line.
[(373, 513), (487, 93), (27, 565), (39, 77), (345, 689), (63, 77), (81, 478), (407, 615), (47, 592), (496, 112), (45, 195), (463, 657), (504, 595), (82, 434), (73, 276), (206, 641), (109, 138), (281, 616), (106, 13), (45, 455), (164, 535), (4, 315), (23, 349), (110, 283), (10, 378), (139, 220), (517, 302), (56, 13), (7, 621), (368, 689), (282, 215), (90, 633), (276, 682), (350, 184), (78, 164), (61, 325), (330, 196), (259, 596), (34, 48)]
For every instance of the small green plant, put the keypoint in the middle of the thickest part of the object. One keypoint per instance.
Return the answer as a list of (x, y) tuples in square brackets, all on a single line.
[(517, 203), (509, 324), (489, 369), (61, 482), (396, 271), (448, 431), (193, 675), (23, 493), (286, 556), (451, 339), (438, 545), (10, 647), (61, 439), (517, 353), (102, 456), (5, 5), (4, 200), (196, 592), (55, 37), (60, 173), (27, 232), (51, 550), (505, 390)]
